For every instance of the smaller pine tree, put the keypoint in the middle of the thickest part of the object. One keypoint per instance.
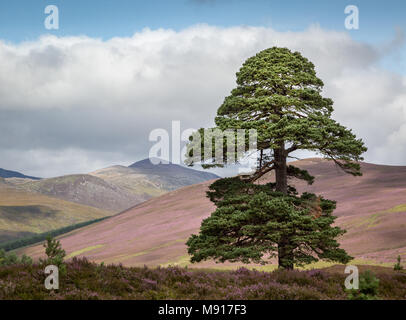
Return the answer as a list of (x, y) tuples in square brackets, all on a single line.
[(55, 254), (398, 266), (368, 287), (2, 257), (26, 260)]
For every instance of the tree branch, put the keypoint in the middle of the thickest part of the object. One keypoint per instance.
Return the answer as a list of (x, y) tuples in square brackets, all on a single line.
[(259, 173)]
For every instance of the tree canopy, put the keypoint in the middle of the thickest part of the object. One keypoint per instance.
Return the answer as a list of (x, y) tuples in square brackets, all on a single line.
[(279, 95)]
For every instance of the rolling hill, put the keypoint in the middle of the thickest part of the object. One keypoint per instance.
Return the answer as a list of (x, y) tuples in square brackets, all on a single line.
[(24, 214), (83, 189), (142, 186), (372, 208), (146, 180)]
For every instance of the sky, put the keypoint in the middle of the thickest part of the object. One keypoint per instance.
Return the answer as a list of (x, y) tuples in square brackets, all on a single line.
[(88, 95)]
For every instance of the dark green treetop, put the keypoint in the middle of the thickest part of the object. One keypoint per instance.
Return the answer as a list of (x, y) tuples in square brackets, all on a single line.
[(279, 95)]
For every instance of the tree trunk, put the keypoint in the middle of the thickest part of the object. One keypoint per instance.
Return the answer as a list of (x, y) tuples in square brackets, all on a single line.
[(285, 252), (281, 169)]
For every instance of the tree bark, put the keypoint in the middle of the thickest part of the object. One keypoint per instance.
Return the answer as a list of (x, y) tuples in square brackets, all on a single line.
[(281, 174), (285, 252)]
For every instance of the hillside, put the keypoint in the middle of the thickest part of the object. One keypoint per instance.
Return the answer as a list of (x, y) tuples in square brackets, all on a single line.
[(146, 180), (24, 213), (83, 189), (141, 185), (372, 208)]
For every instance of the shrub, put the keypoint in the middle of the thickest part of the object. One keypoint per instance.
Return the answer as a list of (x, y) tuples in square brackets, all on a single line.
[(55, 254), (26, 260), (398, 266), (368, 287), (9, 259)]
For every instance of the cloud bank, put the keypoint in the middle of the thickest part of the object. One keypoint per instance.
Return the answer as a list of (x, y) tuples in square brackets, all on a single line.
[(75, 104)]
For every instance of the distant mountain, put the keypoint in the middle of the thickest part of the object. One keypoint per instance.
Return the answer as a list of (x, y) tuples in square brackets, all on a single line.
[(115, 188), (178, 175), (84, 189), (14, 174), (372, 209), (146, 180)]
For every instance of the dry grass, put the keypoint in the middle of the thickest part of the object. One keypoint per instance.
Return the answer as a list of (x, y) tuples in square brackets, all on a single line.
[(22, 211)]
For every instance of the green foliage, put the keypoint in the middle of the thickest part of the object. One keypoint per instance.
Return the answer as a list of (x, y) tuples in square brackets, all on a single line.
[(26, 260), (398, 266), (251, 221), (15, 244), (55, 254), (8, 259), (279, 95), (368, 287), (100, 267), (294, 172), (12, 259)]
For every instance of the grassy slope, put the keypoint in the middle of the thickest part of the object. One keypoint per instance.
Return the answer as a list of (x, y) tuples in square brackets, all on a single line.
[(141, 185), (371, 208), (23, 213), (83, 189), (146, 180)]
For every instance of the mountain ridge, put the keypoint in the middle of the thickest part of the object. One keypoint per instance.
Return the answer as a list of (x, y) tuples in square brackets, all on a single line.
[(15, 174)]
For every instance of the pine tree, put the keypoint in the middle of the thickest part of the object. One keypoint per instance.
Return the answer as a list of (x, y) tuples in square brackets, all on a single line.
[(368, 287), (279, 95), (398, 266), (55, 254)]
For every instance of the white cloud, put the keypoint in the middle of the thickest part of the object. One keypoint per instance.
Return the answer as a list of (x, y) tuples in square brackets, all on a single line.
[(104, 97)]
